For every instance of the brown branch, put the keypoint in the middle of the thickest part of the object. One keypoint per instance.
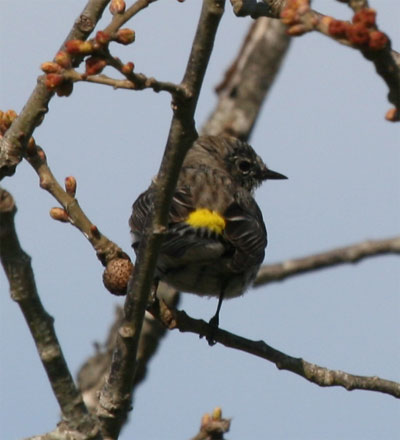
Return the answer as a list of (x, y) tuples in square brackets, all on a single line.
[(115, 397), (248, 79), (134, 81), (300, 18), (17, 266), (13, 144), (350, 254), (324, 377), (106, 250), (93, 373)]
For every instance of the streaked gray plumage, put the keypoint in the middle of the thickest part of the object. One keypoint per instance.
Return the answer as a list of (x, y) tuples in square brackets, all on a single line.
[(219, 174)]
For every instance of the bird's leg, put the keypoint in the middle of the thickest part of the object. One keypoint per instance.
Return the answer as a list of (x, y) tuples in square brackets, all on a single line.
[(214, 321)]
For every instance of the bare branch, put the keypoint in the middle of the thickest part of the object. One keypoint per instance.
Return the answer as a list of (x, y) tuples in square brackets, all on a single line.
[(135, 81), (350, 254), (321, 376), (13, 144), (115, 398), (93, 373), (360, 34), (248, 79), (17, 266)]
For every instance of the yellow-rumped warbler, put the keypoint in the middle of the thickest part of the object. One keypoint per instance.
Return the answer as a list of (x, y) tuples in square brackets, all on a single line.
[(216, 237)]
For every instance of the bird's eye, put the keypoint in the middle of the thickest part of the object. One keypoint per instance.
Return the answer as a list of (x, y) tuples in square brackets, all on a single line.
[(244, 166)]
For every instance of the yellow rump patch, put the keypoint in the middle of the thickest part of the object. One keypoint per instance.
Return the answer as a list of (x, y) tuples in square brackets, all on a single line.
[(204, 218)]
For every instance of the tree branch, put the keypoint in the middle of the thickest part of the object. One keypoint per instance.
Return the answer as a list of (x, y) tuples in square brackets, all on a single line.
[(106, 250), (350, 254), (174, 319), (359, 34), (17, 266), (13, 144), (115, 397), (248, 80)]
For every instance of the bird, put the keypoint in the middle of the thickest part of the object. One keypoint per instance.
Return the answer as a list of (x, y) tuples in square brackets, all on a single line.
[(215, 239)]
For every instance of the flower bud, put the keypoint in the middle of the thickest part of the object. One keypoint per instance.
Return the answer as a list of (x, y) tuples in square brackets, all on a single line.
[(377, 40), (128, 68), (63, 59), (50, 67), (70, 185), (125, 36), (65, 89), (59, 214), (102, 37), (79, 47), (53, 80), (95, 65), (117, 7)]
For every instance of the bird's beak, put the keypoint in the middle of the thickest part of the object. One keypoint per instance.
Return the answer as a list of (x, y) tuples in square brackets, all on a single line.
[(269, 174)]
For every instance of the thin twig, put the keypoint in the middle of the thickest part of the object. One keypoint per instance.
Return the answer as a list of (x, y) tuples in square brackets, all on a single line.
[(248, 80), (321, 376), (300, 19), (13, 144), (346, 255), (120, 19), (106, 250), (115, 397), (17, 266)]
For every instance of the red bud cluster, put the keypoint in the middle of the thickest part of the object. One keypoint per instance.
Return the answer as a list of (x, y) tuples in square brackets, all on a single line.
[(95, 65), (361, 32)]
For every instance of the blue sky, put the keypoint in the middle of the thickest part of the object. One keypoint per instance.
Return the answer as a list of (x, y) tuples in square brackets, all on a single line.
[(322, 125)]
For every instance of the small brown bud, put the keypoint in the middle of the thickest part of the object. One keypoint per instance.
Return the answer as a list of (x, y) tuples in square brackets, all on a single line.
[(377, 40), (94, 231), (50, 67), (102, 37), (128, 68), (53, 80), (357, 34), (95, 65), (125, 36), (79, 47), (205, 420), (70, 185), (65, 89), (42, 155), (117, 274), (117, 7), (31, 147), (366, 16), (63, 59), (59, 214), (392, 115)]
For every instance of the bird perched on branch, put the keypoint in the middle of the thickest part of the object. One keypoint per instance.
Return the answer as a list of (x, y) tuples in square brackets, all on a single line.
[(216, 237)]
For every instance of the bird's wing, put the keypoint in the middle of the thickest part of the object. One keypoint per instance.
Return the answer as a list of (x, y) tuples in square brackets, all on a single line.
[(246, 231), (181, 206)]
